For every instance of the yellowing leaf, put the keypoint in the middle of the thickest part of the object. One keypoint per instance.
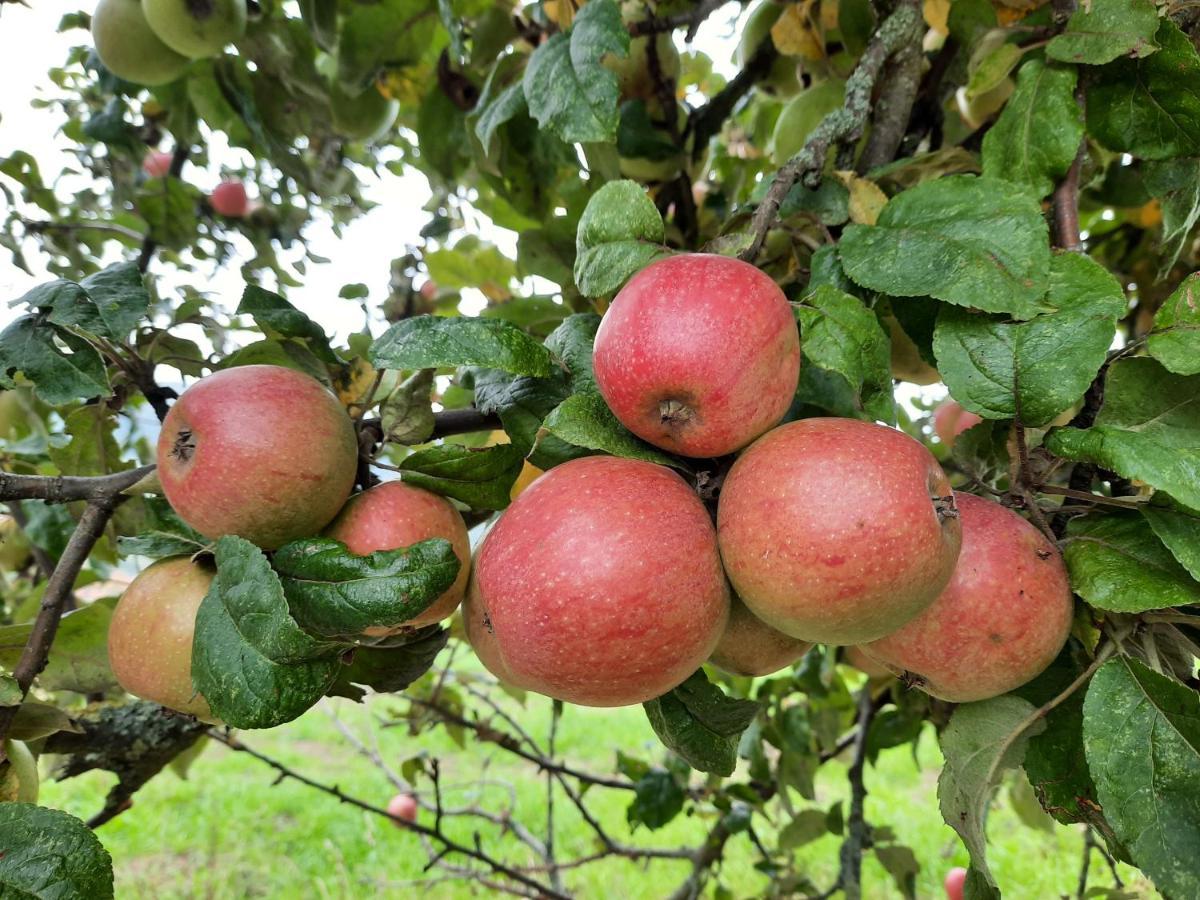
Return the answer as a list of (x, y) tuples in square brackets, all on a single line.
[(353, 382), (936, 13), (560, 12), (829, 15), (798, 33), (866, 197)]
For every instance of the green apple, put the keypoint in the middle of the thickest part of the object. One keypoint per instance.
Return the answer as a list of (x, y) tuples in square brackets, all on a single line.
[(364, 117), (128, 46), (196, 28), (802, 115)]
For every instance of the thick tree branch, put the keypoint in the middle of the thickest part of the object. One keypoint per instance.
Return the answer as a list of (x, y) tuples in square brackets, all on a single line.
[(1066, 206), (68, 488), (54, 600), (843, 125), (893, 109)]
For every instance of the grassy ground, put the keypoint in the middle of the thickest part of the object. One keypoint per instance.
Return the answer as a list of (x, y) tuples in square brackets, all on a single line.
[(228, 832)]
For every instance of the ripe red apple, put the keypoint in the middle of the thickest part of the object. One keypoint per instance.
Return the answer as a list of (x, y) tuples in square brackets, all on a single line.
[(150, 635), (229, 199), (950, 420), (854, 656), (477, 624), (263, 452), (837, 531), (750, 646), (699, 354), (156, 163), (404, 807), (602, 583), (1002, 619), (394, 515), (956, 878)]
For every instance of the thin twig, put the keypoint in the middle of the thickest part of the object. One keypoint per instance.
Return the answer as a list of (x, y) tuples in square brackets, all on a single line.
[(857, 830), (68, 488), (1089, 497)]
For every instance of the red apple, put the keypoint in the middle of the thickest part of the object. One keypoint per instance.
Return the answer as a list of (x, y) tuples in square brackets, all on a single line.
[(956, 878), (1002, 619), (699, 354), (229, 199), (156, 163), (150, 635), (394, 515), (477, 623), (854, 656), (837, 531), (602, 583), (750, 646), (950, 420), (263, 452), (403, 807)]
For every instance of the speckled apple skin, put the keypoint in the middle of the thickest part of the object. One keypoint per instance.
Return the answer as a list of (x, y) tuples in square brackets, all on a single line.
[(750, 646), (274, 456), (477, 624), (710, 332), (857, 657), (603, 584), (394, 515), (150, 635), (1001, 621), (829, 531)]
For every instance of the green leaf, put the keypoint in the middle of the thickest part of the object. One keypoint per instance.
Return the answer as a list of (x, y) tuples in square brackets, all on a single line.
[(657, 799), (1175, 338), (79, 656), (407, 413), (572, 342), (1176, 184), (275, 315), (391, 32), (169, 206), (481, 478), (1149, 107), (1148, 429), (389, 669), (46, 853), (975, 242), (522, 403), (166, 535), (470, 263), (430, 342), (619, 234), (121, 298), (250, 660), (1103, 30), (334, 593), (569, 90), (34, 721), (998, 368), (1037, 135), (499, 101), (1116, 562), (92, 448), (697, 721), (842, 336), (585, 420), (1142, 736), (806, 826), (990, 71), (1179, 530), (27, 346), (982, 740)]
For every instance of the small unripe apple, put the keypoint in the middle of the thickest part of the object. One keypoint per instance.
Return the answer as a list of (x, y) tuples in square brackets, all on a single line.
[(1000, 622), (128, 46), (669, 369), (602, 583), (403, 807), (263, 452), (19, 780), (156, 163), (14, 545), (229, 199), (837, 531), (394, 515), (196, 28), (950, 420), (150, 635), (749, 646), (956, 879), (365, 116), (802, 115)]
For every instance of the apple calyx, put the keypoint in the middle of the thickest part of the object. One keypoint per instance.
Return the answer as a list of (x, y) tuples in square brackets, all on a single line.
[(184, 447), (675, 412), (944, 507)]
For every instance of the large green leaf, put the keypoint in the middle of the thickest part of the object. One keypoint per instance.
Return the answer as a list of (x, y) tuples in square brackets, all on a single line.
[(975, 242), (1102, 30), (1176, 184), (619, 234), (1037, 135), (522, 402), (572, 342), (701, 724), (999, 368), (1178, 529), (28, 346), (1117, 562), (50, 855), (1142, 736), (250, 660), (845, 338), (389, 669), (567, 87), (479, 477), (1149, 107), (499, 101), (274, 314), (1175, 338), (585, 420), (982, 741), (430, 342), (1148, 429), (332, 592)]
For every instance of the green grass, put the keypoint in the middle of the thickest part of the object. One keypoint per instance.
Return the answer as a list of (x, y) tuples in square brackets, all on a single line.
[(228, 832)]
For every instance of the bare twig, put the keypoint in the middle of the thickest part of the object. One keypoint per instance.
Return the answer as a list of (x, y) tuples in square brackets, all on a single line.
[(1088, 497), (67, 488), (857, 830), (39, 227), (692, 18)]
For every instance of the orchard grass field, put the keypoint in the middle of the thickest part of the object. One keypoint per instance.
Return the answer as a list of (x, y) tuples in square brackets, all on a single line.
[(187, 837)]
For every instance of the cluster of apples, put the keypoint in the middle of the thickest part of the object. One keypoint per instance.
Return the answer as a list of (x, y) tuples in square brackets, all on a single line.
[(606, 583)]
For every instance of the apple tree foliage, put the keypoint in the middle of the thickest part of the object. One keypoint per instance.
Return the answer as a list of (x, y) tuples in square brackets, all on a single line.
[(1012, 189)]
